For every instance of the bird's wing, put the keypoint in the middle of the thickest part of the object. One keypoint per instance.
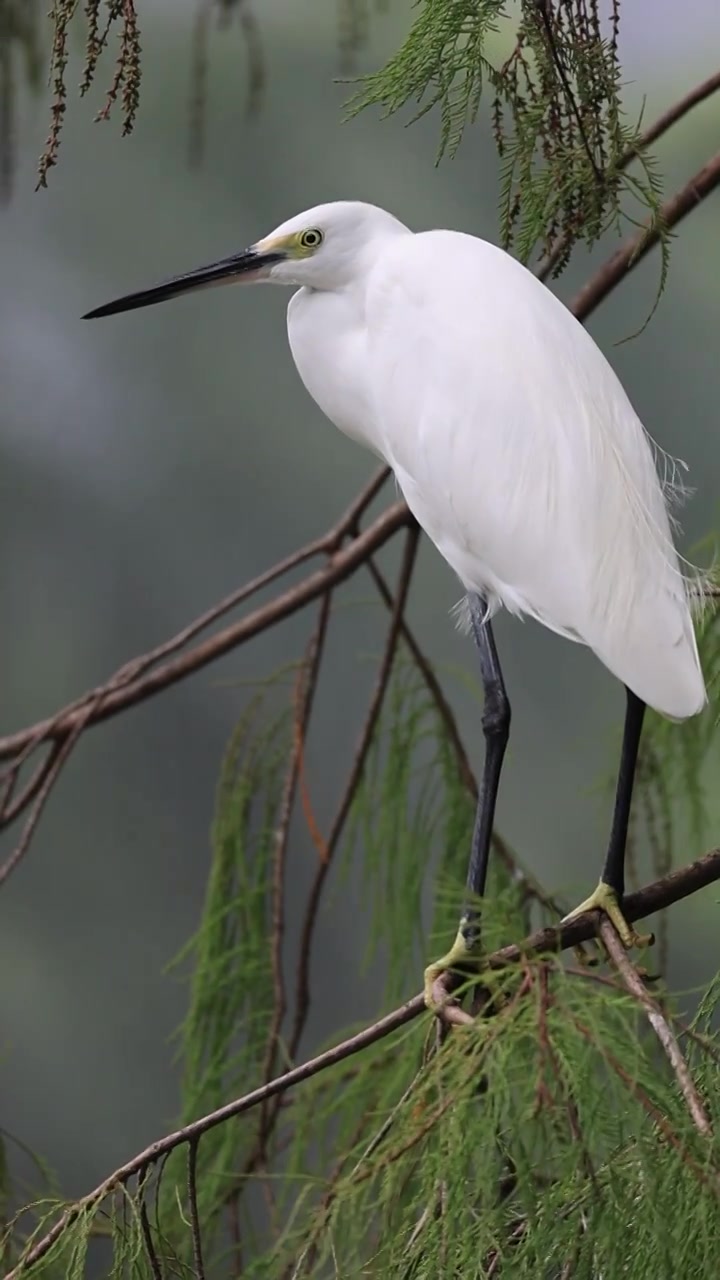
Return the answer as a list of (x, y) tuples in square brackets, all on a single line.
[(522, 457)]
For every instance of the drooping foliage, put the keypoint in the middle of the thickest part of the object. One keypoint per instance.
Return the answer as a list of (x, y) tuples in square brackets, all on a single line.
[(547, 1139), (550, 1138)]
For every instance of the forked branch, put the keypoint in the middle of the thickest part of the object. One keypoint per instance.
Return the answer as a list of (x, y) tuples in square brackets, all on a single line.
[(659, 1024), (157, 670)]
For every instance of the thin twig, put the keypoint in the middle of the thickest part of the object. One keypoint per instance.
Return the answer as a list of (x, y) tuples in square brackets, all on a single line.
[(302, 997), (529, 886), (673, 887), (697, 94), (586, 300), (627, 257), (145, 1228), (193, 1207), (12, 808), (119, 694), (661, 893), (46, 778), (547, 1053), (329, 542), (341, 565), (708, 1177), (546, 17), (369, 1035), (328, 1199), (307, 684), (434, 687), (659, 1024), (706, 1043)]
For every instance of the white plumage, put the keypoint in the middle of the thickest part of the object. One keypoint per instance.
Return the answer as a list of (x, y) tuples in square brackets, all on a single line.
[(516, 449), (511, 438)]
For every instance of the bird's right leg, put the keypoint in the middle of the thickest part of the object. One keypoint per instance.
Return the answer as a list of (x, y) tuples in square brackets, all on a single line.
[(465, 951), (609, 893)]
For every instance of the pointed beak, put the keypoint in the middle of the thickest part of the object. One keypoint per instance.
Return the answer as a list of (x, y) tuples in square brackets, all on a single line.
[(251, 265)]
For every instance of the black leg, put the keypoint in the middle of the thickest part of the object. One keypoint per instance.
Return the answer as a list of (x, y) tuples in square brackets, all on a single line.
[(608, 895), (614, 869), (496, 728)]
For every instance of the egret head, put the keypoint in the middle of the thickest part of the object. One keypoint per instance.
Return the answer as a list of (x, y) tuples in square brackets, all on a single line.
[(325, 248)]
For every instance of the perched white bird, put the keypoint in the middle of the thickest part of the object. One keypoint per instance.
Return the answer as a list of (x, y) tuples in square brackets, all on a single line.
[(516, 449)]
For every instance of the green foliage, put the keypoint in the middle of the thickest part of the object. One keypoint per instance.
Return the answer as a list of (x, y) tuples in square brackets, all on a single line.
[(545, 1137), (412, 802), (559, 126), (224, 1040), (101, 25), (548, 1139)]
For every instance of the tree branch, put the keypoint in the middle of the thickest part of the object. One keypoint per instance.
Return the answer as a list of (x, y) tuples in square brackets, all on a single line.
[(671, 888), (678, 884), (668, 118), (343, 563), (302, 997), (305, 694), (659, 1024), (135, 682), (637, 247), (125, 688), (699, 93)]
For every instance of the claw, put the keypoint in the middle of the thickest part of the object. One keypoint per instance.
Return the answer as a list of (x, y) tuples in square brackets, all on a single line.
[(464, 954), (605, 899)]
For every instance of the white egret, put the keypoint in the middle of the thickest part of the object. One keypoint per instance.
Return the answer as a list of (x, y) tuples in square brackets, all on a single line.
[(516, 449)]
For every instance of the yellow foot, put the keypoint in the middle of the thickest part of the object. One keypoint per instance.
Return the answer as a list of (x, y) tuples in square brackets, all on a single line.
[(464, 954), (605, 899)]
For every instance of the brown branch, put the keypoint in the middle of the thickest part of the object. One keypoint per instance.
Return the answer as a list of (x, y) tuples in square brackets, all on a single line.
[(662, 893), (192, 1132), (434, 687), (627, 257), (678, 884), (706, 1043), (548, 1056), (128, 687), (302, 998), (307, 684), (145, 1227), (659, 1024), (707, 1177), (269, 1115), (530, 887), (193, 1207), (118, 696), (307, 1257), (343, 564), (699, 93), (11, 808), (668, 118), (40, 787)]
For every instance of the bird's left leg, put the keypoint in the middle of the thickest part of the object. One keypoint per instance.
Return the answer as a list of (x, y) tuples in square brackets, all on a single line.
[(465, 951), (609, 893)]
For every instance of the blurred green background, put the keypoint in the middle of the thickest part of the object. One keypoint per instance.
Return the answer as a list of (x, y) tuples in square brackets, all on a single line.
[(152, 463)]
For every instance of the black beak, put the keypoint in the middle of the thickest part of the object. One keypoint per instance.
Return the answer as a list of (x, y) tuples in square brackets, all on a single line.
[(247, 266)]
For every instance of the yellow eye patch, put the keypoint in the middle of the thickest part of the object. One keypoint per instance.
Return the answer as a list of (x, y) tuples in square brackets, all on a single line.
[(310, 239), (301, 244)]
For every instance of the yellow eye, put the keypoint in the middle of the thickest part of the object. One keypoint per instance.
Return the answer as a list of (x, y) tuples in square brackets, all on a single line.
[(311, 239)]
